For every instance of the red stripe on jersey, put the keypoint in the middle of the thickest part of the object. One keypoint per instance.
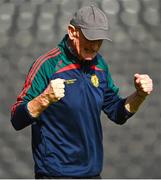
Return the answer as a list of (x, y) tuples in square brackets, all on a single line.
[(69, 67), (32, 74), (37, 62), (94, 67), (37, 67)]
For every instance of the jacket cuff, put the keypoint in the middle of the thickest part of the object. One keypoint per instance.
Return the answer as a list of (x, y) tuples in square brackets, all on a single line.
[(123, 113), (21, 117)]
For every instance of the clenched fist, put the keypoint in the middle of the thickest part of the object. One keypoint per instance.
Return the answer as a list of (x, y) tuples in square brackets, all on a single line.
[(55, 90), (53, 93), (143, 84)]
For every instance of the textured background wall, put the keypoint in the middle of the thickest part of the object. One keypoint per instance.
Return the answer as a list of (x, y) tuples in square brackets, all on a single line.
[(28, 28)]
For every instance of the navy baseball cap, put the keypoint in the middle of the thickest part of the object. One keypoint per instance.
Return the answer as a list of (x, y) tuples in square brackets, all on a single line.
[(93, 23)]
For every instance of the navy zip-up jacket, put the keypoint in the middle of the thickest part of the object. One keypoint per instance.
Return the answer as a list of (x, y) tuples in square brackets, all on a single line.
[(67, 136)]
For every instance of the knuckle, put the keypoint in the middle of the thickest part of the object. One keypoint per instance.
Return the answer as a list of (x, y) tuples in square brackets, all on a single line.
[(145, 89), (57, 95), (53, 81), (62, 95), (60, 80), (142, 81), (145, 75), (62, 90), (52, 84)]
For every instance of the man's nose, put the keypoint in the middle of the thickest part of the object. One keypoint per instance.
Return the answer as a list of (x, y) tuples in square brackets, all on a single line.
[(94, 47)]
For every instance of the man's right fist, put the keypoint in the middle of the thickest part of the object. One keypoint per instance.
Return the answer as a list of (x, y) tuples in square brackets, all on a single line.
[(55, 90), (53, 93)]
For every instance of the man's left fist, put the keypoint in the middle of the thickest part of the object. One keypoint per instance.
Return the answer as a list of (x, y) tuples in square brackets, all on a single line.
[(143, 84)]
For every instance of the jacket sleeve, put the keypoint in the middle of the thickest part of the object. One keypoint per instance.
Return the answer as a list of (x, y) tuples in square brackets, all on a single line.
[(114, 105), (36, 82)]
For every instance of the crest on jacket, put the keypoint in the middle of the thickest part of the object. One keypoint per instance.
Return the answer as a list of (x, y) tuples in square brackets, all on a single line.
[(95, 80)]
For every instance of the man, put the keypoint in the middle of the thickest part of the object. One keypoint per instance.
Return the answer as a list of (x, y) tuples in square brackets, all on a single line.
[(63, 96)]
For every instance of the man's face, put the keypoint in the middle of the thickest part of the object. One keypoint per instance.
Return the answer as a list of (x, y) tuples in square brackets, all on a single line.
[(85, 49)]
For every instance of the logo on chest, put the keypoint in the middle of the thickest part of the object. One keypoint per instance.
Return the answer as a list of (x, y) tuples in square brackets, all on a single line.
[(95, 80)]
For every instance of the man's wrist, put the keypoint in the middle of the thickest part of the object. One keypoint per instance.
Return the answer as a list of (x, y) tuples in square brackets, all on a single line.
[(38, 105), (44, 100), (141, 94), (134, 101)]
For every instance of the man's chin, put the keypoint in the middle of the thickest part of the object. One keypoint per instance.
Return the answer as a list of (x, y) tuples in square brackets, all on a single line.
[(88, 59)]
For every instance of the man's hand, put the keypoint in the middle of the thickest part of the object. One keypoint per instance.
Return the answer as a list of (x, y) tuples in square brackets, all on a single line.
[(53, 93), (143, 84), (55, 90)]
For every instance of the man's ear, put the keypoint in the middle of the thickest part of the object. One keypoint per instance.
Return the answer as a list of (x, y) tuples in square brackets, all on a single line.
[(72, 32)]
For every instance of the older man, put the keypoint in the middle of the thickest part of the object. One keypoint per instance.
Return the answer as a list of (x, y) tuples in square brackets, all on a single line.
[(63, 96)]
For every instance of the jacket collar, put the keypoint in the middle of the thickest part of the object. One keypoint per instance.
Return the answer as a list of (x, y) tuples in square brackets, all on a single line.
[(64, 45), (69, 52)]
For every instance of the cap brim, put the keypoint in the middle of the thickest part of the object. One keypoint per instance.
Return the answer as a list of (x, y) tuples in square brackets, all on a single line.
[(95, 34)]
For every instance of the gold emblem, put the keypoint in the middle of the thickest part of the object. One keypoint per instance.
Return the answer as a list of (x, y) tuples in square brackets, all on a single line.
[(95, 80)]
